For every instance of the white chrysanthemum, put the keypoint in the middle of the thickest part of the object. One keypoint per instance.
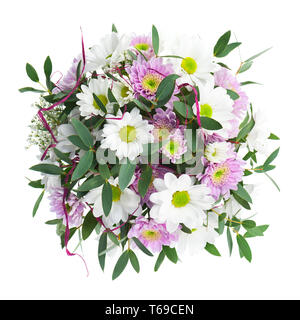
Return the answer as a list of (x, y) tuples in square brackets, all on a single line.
[(108, 53), (215, 103), (127, 136), (88, 106), (65, 145), (122, 92), (200, 236), (178, 200), (50, 180), (218, 151), (124, 203), (198, 59), (258, 136)]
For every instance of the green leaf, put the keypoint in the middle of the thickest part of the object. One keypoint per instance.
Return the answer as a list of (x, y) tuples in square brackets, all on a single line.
[(170, 253), (144, 181), (113, 238), (126, 174), (229, 241), (257, 231), (242, 193), (89, 224), (245, 130), (62, 237), (134, 261), (257, 55), (221, 223), (273, 137), (111, 96), (78, 142), (113, 28), (62, 156), (104, 171), (249, 224), (273, 181), (182, 109), (48, 68), (36, 184), (155, 40), (30, 89), (141, 105), (32, 74), (245, 66), (37, 204), (83, 132), (106, 198), (165, 89), (102, 247), (185, 229), (245, 121), (120, 265), (47, 168), (264, 169), (83, 166), (210, 124), (159, 261), (249, 82), (222, 44), (132, 55), (271, 157), (241, 201), (92, 183), (53, 222), (232, 94), (99, 103), (212, 249), (142, 247), (244, 247), (230, 47)]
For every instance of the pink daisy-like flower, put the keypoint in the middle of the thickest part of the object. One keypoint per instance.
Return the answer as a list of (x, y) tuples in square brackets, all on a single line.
[(176, 146), (143, 44), (152, 235), (74, 207), (146, 76), (223, 177), (165, 122), (224, 79)]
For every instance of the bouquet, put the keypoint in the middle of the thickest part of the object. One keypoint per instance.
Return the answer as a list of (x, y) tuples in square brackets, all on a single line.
[(148, 142)]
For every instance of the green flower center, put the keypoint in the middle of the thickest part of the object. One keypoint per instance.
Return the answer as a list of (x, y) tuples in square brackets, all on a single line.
[(172, 147), (189, 65), (102, 98), (151, 82), (206, 110), (180, 199), (151, 235), (142, 46), (116, 193), (128, 134), (124, 92), (220, 175)]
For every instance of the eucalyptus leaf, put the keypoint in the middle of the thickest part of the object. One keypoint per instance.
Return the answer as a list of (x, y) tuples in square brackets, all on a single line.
[(142, 247), (244, 247), (134, 261), (159, 261), (102, 247), (83, 132), (126, 174), (222, 44), (120, 265), (89, 224), (144, 181), (170, 253), (37, 204), (210, 124), (83, 166), (48, 67), (47, 168), (32, 74), (77, 142), (92, 183), (211, 248), (155, 40), (106, 198)]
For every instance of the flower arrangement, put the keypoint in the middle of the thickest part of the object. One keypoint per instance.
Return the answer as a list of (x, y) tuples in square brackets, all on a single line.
[(149, 142)]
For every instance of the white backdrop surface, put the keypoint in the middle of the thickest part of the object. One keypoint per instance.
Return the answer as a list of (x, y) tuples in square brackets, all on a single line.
[(32, 265)]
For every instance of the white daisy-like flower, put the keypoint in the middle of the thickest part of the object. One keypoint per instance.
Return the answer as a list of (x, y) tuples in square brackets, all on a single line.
[(127, 136), (178, 200), (215, 103), (108, 53), (200, 236), (218, 151), (197, 62), (50, 180), (65, 145), (122, 92), (87, 104), (124, 203)]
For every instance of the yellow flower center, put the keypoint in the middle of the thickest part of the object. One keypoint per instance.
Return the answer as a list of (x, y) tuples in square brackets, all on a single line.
[(180, 199), (189, 65), (220, 175), (102, 98), (142, 46), (124, 92), (151, 235), (151, 82), (127, 134), (206, 110), (172, 147), (116, 193)]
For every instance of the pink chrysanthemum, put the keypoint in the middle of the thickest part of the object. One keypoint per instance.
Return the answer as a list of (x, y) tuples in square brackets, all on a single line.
[(158, 171), (224, 79), (223, 177), (144, 45), (165, 122), (146, 76), (152, 235), (176, 146), (74, 207)]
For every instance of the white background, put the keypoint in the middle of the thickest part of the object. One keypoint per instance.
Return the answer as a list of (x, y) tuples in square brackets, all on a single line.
[(32, 265)]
